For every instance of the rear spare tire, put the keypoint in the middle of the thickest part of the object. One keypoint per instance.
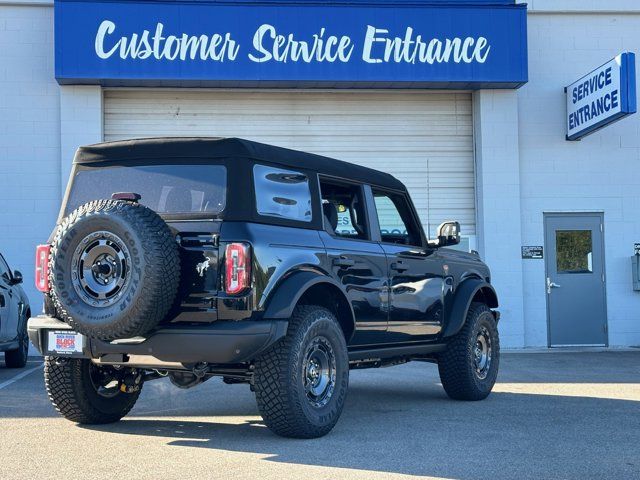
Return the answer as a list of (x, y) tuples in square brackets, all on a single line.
[(114, 269)]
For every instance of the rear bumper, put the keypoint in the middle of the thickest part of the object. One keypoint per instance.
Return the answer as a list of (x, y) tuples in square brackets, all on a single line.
[(224, 342)]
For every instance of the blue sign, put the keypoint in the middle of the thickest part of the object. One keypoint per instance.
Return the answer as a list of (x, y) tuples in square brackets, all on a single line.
[(602, 97), (209, 43)]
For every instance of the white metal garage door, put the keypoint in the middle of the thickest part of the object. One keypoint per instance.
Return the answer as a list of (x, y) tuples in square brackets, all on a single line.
[(423, 138)]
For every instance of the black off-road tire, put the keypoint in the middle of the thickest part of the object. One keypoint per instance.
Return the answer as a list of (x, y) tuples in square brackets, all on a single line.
[(75, 397), (152, 263), (18, 358), (458, 372), (279, 384)]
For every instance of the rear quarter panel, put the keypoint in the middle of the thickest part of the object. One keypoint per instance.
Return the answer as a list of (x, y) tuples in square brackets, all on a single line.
[(277, 252)]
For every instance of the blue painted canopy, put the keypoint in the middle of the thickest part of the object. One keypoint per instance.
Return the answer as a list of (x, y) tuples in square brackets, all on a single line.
[(350, 43)]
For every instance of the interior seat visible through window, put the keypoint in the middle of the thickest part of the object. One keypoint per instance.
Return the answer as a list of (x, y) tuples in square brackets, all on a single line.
[(176, 200), (330, 217), (343, 209)]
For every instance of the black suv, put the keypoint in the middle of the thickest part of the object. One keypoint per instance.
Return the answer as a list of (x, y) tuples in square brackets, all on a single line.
[(189, 258)]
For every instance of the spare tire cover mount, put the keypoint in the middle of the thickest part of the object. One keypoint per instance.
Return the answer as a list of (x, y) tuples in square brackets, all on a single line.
[(101, 268), (114, 269)]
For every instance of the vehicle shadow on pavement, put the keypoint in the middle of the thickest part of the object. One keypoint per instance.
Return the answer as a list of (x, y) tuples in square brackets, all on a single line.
[(417, 431)]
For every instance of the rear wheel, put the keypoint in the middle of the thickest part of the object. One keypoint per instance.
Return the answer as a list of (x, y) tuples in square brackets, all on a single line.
[(301, 382), (90, 394), (469, 367)]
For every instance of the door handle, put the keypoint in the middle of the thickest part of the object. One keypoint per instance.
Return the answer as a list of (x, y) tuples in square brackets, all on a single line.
[(343, 262), (399, 267), (551, 285)]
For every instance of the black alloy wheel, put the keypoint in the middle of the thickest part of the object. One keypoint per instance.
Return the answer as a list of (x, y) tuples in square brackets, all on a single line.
[(301, 382), (469, 367)]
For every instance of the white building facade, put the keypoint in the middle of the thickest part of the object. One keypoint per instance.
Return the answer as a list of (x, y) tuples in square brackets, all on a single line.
[(491, 154)]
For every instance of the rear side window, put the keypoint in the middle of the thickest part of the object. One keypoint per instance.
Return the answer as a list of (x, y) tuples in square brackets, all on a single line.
[(282, 193), (166, 189)]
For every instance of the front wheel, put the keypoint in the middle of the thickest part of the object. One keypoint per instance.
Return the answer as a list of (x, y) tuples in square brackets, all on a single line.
[(18, 358), (90, 394), (301, 382), (469, 367)]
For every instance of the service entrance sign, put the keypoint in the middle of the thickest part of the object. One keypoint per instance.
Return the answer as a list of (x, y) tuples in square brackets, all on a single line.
[(602, 97)]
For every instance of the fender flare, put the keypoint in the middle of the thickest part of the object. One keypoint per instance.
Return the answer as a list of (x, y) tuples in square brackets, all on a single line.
[(285, 296), (462, 301)]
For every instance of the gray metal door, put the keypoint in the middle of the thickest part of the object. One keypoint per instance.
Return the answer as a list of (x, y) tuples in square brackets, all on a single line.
[(575, 281)]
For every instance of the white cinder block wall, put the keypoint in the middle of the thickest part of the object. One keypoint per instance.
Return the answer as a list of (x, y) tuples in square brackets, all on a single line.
[(495, 119), (41, 124), (29, 136), (81, 117), (567, 39)]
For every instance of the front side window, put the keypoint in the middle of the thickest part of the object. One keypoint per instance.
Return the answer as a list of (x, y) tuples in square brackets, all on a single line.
[(397, 224), (282, 193), (166, 189)]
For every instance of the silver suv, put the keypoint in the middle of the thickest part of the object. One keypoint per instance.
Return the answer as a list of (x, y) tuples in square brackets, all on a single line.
[(14, 313)]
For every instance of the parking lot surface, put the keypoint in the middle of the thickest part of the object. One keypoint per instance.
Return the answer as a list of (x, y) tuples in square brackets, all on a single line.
[(552, 415)]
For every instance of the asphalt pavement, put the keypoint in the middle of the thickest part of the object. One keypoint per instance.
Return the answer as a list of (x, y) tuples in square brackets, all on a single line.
[(551, 415)]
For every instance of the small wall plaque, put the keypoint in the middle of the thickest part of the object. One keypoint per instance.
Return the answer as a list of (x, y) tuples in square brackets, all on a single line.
[(530, 252)]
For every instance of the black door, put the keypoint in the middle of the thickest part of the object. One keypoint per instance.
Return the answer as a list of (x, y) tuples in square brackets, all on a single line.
[(415, 271), (356, 261)]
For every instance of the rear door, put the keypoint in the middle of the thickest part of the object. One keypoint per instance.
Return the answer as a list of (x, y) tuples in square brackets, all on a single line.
[(356, 261), (415, 270)]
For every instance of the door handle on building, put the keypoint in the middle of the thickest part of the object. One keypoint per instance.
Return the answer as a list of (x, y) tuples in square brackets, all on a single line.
[(551, 285)]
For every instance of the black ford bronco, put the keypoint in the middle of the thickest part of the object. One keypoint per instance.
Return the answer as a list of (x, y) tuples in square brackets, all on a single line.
[(193, 258)]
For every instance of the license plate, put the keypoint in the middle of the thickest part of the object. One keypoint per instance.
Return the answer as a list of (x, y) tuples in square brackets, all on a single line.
[(65, 343)]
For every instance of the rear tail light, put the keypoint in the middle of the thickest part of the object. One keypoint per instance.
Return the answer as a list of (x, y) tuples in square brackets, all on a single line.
[(42, 268), (237, 268)]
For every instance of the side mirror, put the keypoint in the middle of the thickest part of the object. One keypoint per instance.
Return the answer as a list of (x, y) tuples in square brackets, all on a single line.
[(448, 234), (17, 277)]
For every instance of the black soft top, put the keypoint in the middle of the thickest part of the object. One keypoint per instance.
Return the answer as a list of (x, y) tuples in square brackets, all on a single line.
[(122, 152)]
